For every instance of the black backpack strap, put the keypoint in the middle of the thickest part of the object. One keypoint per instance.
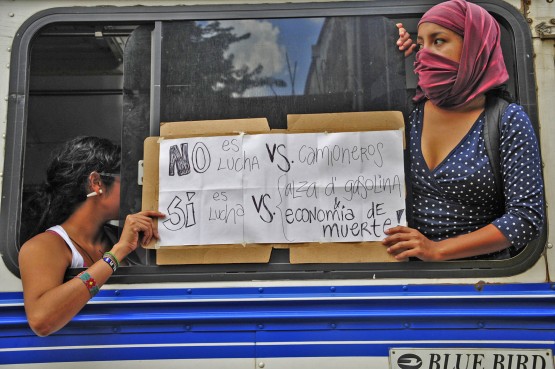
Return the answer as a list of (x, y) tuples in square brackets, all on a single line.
[(495, 107), (408, 183)]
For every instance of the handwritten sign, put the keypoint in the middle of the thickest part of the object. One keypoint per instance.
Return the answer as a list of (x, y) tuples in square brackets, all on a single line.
[(281, 188)]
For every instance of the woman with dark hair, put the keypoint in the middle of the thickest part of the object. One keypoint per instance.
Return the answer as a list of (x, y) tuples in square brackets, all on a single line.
[(457, 209), (81, 194)]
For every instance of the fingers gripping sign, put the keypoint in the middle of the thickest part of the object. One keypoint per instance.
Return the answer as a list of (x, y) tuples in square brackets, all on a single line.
[(140, 226), (404, 242)]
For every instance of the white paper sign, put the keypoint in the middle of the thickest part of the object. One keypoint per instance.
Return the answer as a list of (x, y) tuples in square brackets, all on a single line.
[(281, 188)]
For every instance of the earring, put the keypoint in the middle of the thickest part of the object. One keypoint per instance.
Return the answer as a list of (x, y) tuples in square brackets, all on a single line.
[(93, 194)]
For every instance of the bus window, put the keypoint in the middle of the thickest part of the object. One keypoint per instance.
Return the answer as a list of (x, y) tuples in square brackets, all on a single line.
[(94, 75)]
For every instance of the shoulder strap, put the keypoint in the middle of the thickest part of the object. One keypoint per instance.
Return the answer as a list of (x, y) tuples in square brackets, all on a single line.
[(77, 260), (495, 107), (407, 163)]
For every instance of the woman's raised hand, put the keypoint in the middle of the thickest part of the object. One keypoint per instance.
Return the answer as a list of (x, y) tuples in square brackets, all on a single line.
[(404, 42), (137, 225)]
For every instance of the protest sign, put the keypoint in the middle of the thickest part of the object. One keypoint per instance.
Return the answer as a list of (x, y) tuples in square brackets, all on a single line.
[(281, 188)]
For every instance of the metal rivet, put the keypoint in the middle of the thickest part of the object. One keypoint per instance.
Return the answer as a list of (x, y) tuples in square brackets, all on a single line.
[(260, 326), (332, 289), (188, 327), (261, 364), (189, 291), (9, 49), (261, 290), (406, 325), (11, 14), (117, 292), (333, 325)]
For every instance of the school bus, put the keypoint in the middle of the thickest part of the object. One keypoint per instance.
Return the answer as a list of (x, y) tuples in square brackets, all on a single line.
[(117, 69)]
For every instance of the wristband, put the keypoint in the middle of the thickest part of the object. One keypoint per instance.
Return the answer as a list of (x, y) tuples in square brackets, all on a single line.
[(89, 282), (113, 257), (110, 261)]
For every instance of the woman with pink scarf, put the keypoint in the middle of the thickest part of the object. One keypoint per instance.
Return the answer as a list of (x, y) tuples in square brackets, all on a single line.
[(457, 210)]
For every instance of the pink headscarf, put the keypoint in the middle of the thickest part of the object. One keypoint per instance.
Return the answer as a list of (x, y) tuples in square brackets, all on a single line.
[(481, 68)]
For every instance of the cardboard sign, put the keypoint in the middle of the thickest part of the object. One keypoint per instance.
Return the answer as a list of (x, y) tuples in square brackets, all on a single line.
[(244, 243)]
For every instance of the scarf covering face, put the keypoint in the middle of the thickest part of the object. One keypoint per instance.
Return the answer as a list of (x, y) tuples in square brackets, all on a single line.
[(450, 84)]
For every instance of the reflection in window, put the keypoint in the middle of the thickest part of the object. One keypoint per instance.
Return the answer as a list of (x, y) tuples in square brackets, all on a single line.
[(279, 49), (274, 67)]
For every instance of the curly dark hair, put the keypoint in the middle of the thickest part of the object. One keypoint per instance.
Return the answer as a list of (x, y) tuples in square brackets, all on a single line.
[(66, 184)]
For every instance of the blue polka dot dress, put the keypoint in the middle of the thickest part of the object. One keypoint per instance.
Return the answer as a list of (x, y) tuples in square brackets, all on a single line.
[(459, 195)]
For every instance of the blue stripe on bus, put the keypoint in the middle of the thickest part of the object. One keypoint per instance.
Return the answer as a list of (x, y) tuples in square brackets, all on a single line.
[(285, 322), (315, 292), (127, 353)]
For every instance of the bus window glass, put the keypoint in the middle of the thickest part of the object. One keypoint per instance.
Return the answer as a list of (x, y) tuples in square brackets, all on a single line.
[(120, 80)]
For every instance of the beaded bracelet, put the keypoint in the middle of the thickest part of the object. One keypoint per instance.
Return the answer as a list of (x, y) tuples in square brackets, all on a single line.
[(89, 282), (110, 261)]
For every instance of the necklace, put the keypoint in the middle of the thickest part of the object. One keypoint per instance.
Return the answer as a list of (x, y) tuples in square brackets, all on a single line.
[(84, 250)]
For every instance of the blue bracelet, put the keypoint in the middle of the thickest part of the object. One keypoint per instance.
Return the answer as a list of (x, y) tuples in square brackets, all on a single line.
[(112, 263), (113, 257)]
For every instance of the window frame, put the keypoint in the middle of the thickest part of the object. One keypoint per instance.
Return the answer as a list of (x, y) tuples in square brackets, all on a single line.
[(10, 216)]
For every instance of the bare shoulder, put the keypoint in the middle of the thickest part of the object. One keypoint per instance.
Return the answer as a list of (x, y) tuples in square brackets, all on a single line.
[(43, 262), (44, 248)]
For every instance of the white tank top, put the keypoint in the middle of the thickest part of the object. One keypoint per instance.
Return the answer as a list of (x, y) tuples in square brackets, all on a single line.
[(77, 260)]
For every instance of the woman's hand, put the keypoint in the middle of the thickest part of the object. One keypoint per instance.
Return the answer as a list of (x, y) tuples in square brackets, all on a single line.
[(405, 42), (137, 225), (404, 242)]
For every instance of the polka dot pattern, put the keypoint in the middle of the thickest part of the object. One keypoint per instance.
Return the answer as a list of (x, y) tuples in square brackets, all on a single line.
[(459, 196)]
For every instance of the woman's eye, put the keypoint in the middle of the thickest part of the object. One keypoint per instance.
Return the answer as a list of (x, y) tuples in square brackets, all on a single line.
[(439, 41), (419, 47)]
